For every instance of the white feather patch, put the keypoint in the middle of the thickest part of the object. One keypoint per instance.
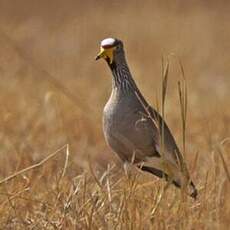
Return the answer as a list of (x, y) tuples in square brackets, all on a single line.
[(108, 42)]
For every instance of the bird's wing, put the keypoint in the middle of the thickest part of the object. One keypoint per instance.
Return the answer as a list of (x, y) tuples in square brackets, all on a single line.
[(171, 160)]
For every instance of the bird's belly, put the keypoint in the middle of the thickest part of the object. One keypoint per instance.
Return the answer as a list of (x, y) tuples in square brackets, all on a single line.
[(126, 132)]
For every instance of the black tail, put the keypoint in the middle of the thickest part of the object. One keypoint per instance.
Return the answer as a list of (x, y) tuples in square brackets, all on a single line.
[(161, 174)]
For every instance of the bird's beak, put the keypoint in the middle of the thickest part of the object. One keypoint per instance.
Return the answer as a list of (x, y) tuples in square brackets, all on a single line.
[(101, 54), (106, 54)]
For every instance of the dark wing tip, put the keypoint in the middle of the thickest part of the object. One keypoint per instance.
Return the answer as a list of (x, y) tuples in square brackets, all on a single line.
[(194, 194)]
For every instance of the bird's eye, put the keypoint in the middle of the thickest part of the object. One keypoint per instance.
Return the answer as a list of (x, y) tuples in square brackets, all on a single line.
[(118, 47)]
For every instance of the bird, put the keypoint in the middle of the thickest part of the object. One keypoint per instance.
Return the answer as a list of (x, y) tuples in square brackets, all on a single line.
[(134, 130)]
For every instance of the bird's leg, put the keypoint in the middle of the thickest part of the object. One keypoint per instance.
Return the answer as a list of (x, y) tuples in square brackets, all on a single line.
[(127, 169), (129, 164)]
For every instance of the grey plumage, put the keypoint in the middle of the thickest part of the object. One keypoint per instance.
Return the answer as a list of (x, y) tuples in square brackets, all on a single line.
[(133, 129)]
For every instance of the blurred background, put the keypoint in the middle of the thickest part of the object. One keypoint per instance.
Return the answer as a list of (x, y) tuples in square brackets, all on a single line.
[(52, 91)]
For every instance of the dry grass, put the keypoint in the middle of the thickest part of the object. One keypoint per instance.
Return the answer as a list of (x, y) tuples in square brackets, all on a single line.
[(56, 171)]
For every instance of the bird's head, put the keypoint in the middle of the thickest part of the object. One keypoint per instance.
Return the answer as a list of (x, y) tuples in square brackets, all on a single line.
[(110, 50)]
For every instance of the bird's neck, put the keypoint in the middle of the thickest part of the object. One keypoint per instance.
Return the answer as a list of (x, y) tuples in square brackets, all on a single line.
[(122, 78), (123, 82)]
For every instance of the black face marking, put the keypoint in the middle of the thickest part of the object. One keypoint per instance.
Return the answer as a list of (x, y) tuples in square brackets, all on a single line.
[(107, 60), (116, 43), (111, 65)]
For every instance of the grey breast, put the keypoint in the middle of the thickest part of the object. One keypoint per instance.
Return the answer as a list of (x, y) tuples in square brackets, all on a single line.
[(127, 129)]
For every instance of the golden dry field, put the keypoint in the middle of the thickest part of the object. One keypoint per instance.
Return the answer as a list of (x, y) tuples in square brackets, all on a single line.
[(56, 171)]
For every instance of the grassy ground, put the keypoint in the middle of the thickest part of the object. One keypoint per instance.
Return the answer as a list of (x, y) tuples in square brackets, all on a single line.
[(52, 94)]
